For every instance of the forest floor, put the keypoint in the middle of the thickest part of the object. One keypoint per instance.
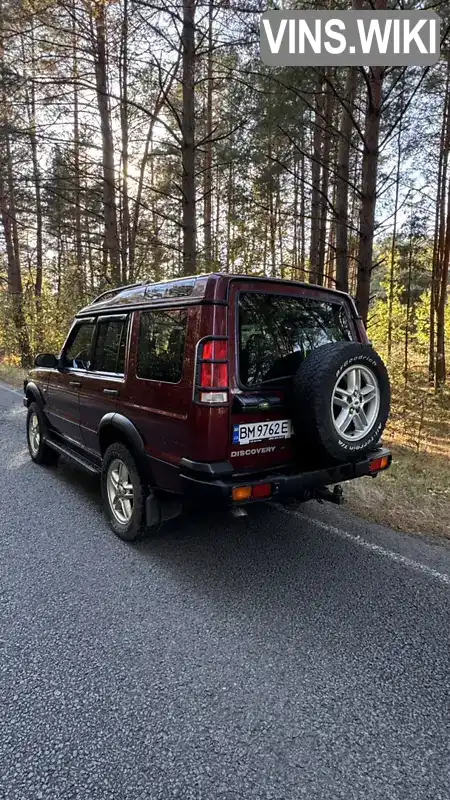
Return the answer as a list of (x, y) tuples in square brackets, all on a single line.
[(414, 494)]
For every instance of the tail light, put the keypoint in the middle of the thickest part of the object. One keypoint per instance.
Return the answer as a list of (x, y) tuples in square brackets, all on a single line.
[(259, 491), (212, 371), (380, 463)]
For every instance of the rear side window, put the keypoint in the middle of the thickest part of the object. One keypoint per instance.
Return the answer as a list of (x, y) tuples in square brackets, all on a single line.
[(162, 336), (110, 346), (276, 332)]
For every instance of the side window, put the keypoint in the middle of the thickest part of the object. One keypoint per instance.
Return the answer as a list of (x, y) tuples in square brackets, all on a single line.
[(78, 353), (110, 346), (162, 335)]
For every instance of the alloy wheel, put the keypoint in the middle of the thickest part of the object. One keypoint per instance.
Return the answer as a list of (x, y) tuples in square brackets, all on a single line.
[(355, 403), (120, 491), (34, 434)]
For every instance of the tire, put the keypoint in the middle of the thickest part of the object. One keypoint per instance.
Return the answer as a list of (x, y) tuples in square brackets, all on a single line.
[(329, 413), (39, 451), (125, 514)]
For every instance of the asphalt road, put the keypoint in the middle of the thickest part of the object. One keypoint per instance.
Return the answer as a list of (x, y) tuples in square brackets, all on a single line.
[(296, 655)]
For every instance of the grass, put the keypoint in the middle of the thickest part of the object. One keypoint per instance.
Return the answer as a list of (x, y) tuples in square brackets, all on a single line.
[(414, 494), (12, 375)]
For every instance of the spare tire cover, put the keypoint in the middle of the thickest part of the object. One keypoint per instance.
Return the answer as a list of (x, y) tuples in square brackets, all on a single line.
[(341, 400)]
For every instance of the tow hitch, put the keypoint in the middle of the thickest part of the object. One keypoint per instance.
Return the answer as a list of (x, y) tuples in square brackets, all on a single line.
[(319, 493), (324, 494)]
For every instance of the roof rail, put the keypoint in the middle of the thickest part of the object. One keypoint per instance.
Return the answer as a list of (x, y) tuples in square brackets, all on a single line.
[(116, 291)]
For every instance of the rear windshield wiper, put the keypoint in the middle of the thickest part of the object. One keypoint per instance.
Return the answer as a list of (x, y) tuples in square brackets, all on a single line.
[(272, 380)]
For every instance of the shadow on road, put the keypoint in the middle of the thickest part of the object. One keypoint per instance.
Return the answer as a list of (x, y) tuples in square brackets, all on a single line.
[(267, 561), (268, 558), (86, 484), (267, 553)]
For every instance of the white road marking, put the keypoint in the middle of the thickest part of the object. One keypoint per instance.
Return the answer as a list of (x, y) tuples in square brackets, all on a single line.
[(372, 547), (8, 389)]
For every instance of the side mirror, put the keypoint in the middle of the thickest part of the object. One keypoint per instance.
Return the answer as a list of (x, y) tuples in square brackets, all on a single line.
[(46, 360)]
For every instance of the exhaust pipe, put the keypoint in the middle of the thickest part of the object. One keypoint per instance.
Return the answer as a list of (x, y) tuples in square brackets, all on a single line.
[(238, 512)]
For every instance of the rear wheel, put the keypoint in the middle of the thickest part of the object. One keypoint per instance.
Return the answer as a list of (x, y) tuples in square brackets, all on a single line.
[(123, 493), (39, 450)]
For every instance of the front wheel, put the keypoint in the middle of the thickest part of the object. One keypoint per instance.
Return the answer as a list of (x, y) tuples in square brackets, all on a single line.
[(123, 493), (39, 450)]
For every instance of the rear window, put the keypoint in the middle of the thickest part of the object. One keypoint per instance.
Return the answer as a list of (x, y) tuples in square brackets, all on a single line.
[(276, 332)]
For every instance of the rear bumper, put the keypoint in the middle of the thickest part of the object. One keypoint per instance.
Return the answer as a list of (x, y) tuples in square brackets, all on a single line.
[(199, 490)]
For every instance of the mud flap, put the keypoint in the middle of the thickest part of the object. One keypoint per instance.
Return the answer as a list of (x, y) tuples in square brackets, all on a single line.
[(158, 510)]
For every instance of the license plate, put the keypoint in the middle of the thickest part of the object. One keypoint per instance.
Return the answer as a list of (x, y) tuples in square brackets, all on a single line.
[(258, 431)]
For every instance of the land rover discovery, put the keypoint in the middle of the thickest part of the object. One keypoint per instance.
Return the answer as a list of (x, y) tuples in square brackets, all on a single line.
[(211, 391)]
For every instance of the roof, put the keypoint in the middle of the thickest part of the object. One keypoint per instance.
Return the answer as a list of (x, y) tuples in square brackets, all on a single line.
[(211, 287)]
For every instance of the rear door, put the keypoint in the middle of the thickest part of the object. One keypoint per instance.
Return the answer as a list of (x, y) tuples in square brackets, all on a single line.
[(273, 327), (159, 388), (102, 385)]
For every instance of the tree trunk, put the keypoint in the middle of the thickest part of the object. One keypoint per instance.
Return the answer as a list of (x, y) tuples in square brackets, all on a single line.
[(125, 228), (280, 232), (441, 372), (343, 177), (229, 213), (439, 225), (165, 91), (76, 144), (271, 205), (13, 281), (315, 182), (217, 234), (272, 233), (302, 210), (10, 232), (109, 188), (368, 188), (331, 251), (31, 110), (394, 242), (188, 140), (408, 308), (207, 203), (326, 150), (295, 266)]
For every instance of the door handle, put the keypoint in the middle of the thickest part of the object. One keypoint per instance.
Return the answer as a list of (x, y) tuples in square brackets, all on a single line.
[(75, 383), (111, 392)]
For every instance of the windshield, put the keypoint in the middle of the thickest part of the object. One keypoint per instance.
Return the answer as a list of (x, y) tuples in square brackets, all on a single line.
[(276, 332)]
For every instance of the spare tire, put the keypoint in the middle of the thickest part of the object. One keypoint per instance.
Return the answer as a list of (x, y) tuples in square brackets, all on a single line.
[(341, 400)]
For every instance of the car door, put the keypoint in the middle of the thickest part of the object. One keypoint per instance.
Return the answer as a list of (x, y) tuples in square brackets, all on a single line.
[(103, 382), (64, 384), (159, 388)]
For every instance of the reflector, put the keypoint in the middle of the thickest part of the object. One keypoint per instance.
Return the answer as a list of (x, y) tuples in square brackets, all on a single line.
[(241, 493), (379, 464)]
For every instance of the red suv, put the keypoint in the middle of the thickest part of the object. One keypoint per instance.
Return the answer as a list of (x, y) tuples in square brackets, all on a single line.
[(216, 390)]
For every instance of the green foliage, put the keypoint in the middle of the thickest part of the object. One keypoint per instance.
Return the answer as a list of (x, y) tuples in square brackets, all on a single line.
[(47, 321), (420, 417)]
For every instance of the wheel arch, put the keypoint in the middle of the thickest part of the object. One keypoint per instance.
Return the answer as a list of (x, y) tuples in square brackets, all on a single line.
[(33, 394), (116, 427)]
